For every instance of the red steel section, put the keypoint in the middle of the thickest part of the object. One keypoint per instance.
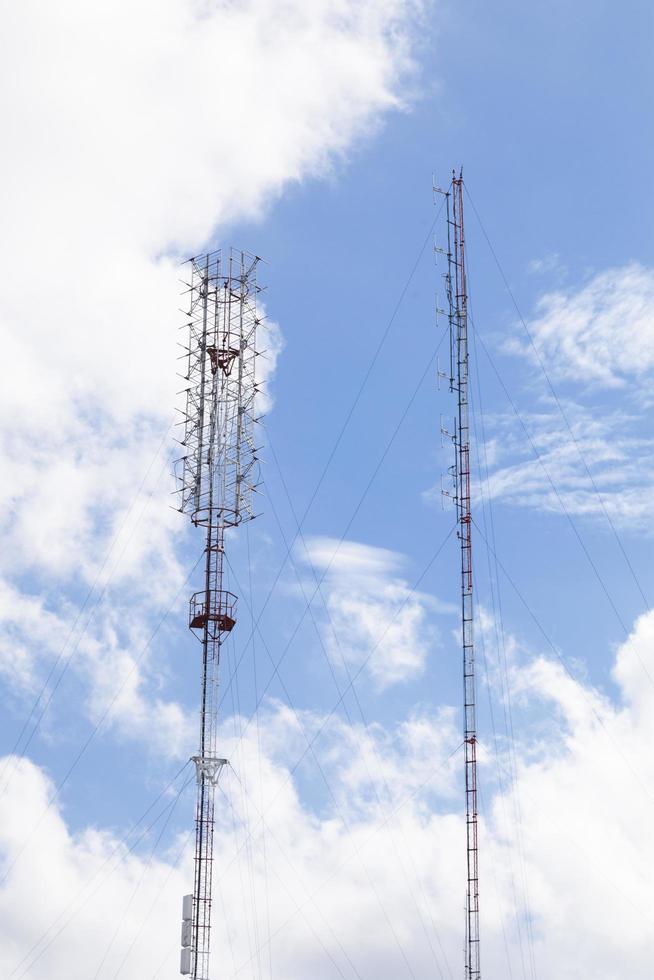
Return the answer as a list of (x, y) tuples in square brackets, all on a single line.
[(458, 297)]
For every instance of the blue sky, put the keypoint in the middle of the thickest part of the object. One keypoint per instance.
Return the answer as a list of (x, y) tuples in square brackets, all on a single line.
[(318, 155)]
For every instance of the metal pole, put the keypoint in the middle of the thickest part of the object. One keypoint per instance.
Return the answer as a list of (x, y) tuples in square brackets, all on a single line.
[(216, 488), (458, 304)]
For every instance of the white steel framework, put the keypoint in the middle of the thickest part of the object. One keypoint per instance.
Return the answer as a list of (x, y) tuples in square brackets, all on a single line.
[(215, 477)]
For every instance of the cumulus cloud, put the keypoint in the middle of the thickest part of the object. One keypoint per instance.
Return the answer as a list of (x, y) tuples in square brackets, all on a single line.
[(373, 872), (110, 648), (308, 883), (589, 786), (133, 132), (92, 879), (600, 333), (127, 146), (316, 894), (373, 615)]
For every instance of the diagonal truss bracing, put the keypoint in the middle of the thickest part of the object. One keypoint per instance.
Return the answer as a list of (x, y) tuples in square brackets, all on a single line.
[(457, 296), (215, 483)]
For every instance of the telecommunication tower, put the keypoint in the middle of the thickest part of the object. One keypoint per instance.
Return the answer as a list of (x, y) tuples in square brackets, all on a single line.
[(215, 482), (457, 295)]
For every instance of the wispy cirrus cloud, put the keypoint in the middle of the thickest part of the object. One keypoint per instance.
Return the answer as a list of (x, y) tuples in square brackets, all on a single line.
[(549, 469), (599, 333), (570, 447)]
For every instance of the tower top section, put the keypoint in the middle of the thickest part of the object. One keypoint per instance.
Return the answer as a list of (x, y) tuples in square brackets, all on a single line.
[(215, 475)]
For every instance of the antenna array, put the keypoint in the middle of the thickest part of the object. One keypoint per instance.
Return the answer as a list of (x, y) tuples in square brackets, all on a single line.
[(215, 483)]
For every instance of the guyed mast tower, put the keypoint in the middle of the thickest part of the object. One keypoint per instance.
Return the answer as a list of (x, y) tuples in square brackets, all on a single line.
[(215, 477), (457, 295)]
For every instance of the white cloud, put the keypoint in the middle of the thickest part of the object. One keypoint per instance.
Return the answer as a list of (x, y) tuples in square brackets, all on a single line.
[(133, 131), (597, 335), (111, 649), (549, 264), (386, 766), (334, 876), (582, 801), (629, 670), (601, 333), (609, 443), (374, 617), (91, 879), (336, 873)]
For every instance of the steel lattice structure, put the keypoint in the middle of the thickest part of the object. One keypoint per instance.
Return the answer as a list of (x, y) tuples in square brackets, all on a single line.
[(457, 296), (215, 478)]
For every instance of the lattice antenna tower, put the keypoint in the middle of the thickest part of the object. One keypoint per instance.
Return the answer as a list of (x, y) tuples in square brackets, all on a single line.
[(215, 483), (457, 295)]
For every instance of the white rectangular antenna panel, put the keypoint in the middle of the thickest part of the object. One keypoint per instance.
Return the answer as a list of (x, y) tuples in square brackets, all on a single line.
[(187, 933), (185, 962), (187, 908)]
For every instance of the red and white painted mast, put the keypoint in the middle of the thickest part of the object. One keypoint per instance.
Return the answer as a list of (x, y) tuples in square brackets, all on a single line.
[(459, 376)]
